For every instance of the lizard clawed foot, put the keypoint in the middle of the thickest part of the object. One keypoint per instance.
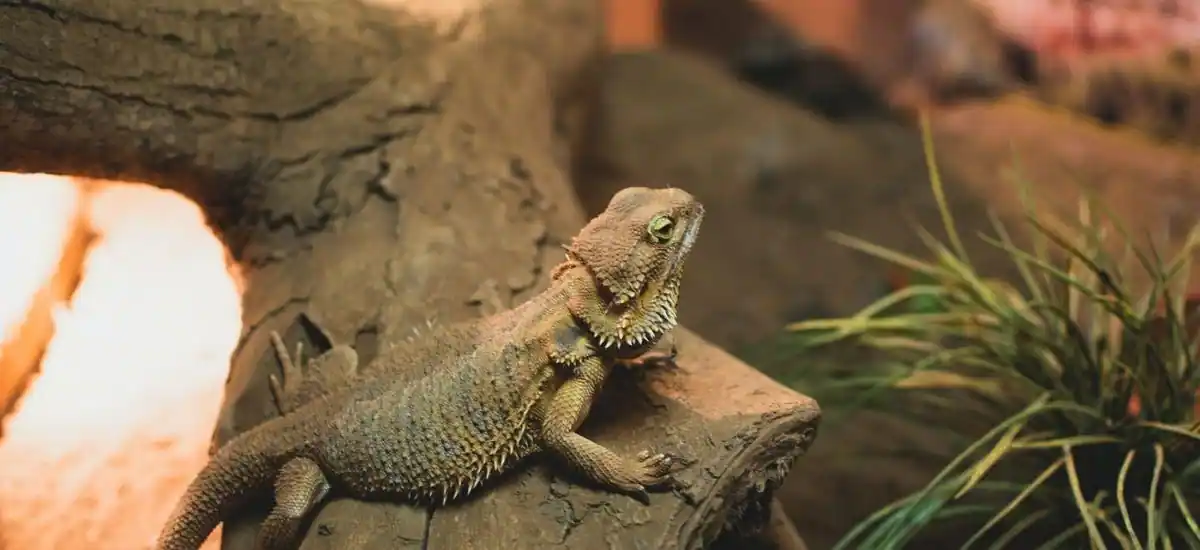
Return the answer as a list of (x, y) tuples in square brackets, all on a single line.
[(662, 360), (654, 359), (302, 380), (291, 374), (653, 472)]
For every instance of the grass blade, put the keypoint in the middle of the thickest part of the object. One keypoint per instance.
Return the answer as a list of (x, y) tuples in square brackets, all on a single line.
[(1153, 518), (935, 179), (1014, 503), (1085, 509), (1121, 502)]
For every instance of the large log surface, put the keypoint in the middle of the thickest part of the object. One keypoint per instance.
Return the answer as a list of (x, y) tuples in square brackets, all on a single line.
[(370, 171)]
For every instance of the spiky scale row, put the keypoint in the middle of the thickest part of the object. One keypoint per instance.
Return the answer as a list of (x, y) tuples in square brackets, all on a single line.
[(645, 323), (462, 437)]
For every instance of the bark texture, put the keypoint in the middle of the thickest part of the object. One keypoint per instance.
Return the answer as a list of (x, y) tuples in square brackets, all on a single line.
[(372, 167)]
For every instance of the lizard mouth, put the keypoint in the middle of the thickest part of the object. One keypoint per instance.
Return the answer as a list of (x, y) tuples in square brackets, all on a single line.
[(685, 246)]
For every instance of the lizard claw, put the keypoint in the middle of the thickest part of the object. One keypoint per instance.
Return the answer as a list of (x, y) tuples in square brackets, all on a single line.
[(641, 495)]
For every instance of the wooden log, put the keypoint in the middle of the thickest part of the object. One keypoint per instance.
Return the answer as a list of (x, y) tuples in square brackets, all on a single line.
[(372, 167)]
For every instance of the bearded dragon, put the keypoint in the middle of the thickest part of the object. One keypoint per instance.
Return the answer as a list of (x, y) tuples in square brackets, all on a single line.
[(475, 398)]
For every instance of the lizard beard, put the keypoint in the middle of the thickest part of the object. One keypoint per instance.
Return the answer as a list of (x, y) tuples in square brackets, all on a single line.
[(642, 321), (652, 312)]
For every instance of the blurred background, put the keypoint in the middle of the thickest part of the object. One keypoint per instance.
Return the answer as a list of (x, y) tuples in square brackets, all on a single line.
[(792, 118)]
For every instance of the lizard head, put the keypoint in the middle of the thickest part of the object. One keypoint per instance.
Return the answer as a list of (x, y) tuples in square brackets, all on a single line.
[(634, 252)]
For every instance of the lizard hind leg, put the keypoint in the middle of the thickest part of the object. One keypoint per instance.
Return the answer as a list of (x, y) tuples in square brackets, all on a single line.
[(300, 383), (299, 487)]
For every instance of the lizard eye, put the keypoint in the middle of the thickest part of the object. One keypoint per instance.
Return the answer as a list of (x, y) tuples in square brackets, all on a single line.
[(660, 229)]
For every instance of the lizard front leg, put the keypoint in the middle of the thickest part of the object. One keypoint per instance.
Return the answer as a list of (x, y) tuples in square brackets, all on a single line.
[(299, 486), (562, 414)]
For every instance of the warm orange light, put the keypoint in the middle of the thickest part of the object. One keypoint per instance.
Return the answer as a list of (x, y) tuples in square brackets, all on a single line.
[(633, 24), (119, 419), (35, 219)]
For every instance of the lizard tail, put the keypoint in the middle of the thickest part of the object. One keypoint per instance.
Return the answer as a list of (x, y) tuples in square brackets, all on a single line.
[(243, 467)]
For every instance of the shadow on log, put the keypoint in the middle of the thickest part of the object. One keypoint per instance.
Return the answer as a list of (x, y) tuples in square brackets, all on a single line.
[(371, 168)]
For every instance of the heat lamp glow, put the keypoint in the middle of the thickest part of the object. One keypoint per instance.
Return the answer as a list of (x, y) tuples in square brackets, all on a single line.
[(119, 419)]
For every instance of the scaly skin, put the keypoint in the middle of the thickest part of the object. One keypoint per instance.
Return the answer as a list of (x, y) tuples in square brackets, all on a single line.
[(437, 415)]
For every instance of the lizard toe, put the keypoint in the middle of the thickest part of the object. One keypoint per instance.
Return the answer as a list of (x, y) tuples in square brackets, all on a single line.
[(637, 491), (277, 390), (654, 469), (657, 463), (660, 361)]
